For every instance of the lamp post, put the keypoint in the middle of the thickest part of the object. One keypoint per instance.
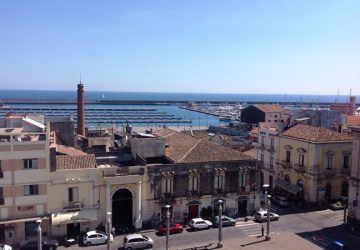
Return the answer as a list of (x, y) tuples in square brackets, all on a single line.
[(220, 244), (267, 237), (345, 203), (267, 204), (167, 225), (39, 234), (108, 224)]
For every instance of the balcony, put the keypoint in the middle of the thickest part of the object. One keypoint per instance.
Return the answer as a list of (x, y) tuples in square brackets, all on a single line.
[(167, 198), (73, 205), (285, 164), (330, 172), (299, 168), (346, 171)]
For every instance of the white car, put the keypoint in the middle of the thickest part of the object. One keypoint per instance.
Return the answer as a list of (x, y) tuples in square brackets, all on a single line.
[(262, 216), (199, 223), (96, 237), (134, 241), (5, 247), (282, 201)]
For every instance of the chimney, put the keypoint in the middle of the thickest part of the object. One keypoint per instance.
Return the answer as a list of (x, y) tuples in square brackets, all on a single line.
[(80, 110), (352, 110)]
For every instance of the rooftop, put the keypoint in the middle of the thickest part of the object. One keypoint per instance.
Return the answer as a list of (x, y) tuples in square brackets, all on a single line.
[(68, 162), (270, 108), (183, 148), (314, 134)]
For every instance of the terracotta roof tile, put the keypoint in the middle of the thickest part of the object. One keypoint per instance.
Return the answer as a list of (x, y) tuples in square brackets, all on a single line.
[(251, 152), (64, 162), (68, 150), (353, 120), (183, 148), (270, 107), (314, 134)]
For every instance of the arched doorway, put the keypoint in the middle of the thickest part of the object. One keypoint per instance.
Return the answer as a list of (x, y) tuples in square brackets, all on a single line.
[(344, 189), (328, 191), (122, 208)]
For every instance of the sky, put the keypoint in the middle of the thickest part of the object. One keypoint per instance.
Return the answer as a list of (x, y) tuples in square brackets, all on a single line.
[(202, 46)]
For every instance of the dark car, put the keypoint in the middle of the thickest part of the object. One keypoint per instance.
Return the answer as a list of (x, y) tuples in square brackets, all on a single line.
[(173, 229), (47, 244), (120, 229)]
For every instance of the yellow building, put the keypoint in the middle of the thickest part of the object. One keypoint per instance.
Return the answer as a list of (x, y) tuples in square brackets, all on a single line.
[(314, 163)]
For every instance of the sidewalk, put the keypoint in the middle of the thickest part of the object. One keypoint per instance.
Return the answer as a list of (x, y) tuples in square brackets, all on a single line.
[(283, 241)]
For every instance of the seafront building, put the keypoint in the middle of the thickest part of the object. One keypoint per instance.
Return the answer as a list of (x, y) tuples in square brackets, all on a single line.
[(314, 163), (354, 182), (24, 172)]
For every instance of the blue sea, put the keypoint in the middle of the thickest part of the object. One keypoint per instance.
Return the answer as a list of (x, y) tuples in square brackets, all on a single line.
[(162, 96), (197, 119)]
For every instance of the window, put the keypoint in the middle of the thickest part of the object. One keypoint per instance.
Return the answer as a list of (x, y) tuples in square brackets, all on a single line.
[(262, 158), (218, 180), (166, 185), (193, 183), (272, 142), (330, 159), (30, 228), (30, 163), (1, 172), (262, 140), (288, 156), (73, 194), (31, 190), (346, 162), (2, 202), (242, 180), (271, 162), (301, 160)]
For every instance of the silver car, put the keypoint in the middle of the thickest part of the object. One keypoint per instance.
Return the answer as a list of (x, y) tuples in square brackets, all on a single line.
[(135, 241), (226, 221)]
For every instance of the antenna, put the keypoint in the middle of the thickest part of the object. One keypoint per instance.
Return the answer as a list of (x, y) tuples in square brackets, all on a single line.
[(350, 91), (80, 77)]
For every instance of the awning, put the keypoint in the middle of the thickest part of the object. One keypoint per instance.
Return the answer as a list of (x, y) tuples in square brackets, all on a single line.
[(23, 220), (282, 183), (74, 217), (292, 188)]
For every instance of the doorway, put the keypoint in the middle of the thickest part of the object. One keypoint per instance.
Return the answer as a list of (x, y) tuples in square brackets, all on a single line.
[(122, 207), (73, 230), (242, 207)]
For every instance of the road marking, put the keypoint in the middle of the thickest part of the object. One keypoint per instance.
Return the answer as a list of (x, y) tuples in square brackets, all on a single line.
[(246, 224), (258, 235), (327, 211)]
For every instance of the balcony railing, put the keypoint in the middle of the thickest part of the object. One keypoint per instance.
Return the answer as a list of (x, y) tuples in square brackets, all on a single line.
[(285, 164), (299, 168), (73, 205), (123, 171)]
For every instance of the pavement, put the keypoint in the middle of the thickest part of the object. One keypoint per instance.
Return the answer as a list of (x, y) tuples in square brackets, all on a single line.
[(283, 241)]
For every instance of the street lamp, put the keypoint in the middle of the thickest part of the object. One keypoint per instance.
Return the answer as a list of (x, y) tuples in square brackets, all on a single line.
[(39, 234), (345, 203), (267, 203), (167, 225), (220, 244), (108, 224), (267, 237)]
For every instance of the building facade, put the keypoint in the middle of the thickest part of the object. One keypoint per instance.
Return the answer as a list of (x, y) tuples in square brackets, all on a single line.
[(24, 164), (354, 185), (314, 163)]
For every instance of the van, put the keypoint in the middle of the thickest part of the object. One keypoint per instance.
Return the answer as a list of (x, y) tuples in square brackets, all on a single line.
[(282, 201)]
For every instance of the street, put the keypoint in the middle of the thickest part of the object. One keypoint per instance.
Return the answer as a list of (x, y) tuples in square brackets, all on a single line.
[(326, 224)]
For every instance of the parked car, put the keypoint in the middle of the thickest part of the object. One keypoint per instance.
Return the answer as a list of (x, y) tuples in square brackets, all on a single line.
[(262, 216), (336, 245), (199, 223), (47, 244), (282, 201), (339, 205), (135, 241), (121, 229), (226, 221), (174, 228), (5, 247), (96, 237)]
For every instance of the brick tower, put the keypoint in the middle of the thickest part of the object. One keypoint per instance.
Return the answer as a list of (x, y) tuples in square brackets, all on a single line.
[(80, 110)]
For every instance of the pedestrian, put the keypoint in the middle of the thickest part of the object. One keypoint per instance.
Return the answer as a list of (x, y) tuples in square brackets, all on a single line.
[(262, 230)]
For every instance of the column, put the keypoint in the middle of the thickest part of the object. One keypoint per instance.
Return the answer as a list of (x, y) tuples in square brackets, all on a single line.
[(108, 198), (138, 205)]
